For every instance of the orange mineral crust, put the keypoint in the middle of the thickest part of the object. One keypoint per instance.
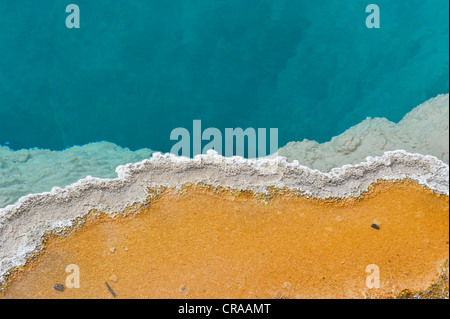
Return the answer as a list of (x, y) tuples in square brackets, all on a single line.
[(202, 242)]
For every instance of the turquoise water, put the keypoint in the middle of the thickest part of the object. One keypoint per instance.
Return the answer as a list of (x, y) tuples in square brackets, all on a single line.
[(136, 70)]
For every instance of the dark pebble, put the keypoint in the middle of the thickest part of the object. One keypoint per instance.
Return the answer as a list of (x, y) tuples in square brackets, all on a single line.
[(375, 226), (59, 287)]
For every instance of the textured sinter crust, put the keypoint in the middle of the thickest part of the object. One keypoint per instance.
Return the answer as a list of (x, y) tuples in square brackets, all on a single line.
[(31, 171), (424, 130)]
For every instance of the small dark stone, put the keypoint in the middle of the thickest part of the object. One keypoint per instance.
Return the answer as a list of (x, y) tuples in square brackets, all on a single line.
[(59, 287), (375, 226)]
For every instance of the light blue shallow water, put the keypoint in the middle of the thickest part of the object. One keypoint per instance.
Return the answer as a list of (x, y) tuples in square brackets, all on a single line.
[(136, 70)]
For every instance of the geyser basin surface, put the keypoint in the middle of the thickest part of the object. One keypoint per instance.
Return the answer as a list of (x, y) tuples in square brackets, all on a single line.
[(136, 70)]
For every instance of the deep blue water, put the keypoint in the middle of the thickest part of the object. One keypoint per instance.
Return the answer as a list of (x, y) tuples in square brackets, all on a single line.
[(137, 69)]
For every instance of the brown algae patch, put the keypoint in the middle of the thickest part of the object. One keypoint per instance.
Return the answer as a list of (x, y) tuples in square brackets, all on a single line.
[(221, 243)]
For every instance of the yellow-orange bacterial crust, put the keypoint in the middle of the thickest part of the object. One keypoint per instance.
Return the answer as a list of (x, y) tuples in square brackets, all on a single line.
[(208, 243)]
